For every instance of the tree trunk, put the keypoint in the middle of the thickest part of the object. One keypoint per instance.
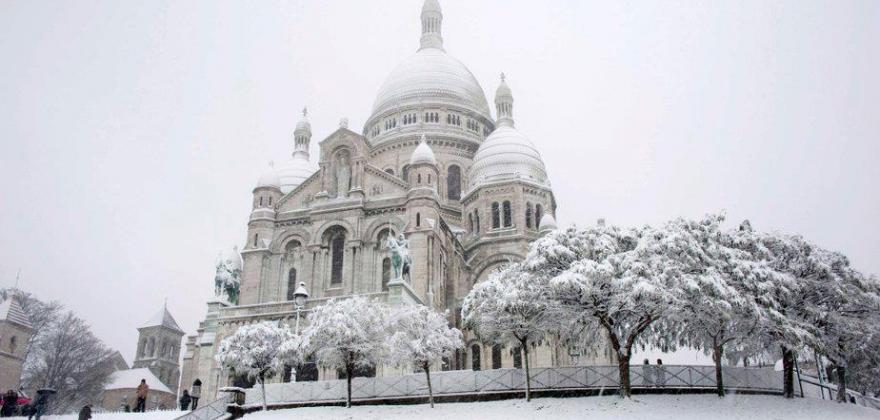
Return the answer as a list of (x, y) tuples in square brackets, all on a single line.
[(349, 371), (717, 354), (430, 390), (787, 372), (623, 368), (262, 379), (525, 350), (841, 383)]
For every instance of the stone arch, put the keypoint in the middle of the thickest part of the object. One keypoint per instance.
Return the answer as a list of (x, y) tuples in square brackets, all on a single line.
[(335, 238), (371, 233), (280, 244), (322, 230), (492, 262)]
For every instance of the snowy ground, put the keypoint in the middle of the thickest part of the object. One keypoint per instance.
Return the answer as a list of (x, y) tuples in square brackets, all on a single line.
[(641, 407), (149, 415)]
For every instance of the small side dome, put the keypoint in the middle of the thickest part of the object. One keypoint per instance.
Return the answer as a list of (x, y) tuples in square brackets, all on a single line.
[(548, 222), (269, 179), (423, 154), (232, 257)]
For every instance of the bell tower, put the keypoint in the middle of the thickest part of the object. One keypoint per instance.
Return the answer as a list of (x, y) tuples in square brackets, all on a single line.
[(15, 331), (159, 348)]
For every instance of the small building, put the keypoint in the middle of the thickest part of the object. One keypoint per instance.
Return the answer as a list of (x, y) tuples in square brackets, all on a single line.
[(121, 390), (15, 332)]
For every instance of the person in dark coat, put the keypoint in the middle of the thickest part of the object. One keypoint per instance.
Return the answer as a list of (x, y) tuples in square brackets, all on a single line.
[(86, 412), (10, 401), (196, 393), (185, 399), (661, 373), (39, 406)]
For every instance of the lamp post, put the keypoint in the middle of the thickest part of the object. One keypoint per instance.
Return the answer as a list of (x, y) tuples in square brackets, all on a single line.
[(299, 300)]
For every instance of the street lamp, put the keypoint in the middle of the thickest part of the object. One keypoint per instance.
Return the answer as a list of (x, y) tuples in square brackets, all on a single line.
[(299, 300)]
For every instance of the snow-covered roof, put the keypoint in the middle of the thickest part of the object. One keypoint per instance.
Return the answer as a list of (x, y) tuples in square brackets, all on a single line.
[(131, 378), (162, 318), (10, 310)]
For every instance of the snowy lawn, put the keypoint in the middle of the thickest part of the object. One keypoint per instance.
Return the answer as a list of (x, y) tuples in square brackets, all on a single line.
[(149, 415), (641, 407)]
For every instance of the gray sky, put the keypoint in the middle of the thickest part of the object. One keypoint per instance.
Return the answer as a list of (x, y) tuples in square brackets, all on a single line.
[(133, 132)]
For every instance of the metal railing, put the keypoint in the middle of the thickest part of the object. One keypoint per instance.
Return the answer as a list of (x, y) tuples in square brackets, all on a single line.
[(213, 411), (474, 383), (854, 396)]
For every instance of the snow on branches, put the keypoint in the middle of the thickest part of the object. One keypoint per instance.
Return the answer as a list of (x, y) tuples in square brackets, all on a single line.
[(254, 350), (420, 338)]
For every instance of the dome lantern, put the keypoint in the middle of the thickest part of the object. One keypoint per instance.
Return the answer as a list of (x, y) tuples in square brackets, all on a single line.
[(302, 135), (504, 103), (432, 21)]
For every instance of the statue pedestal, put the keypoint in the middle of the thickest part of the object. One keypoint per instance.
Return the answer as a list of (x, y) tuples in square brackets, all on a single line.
[(401, 293)]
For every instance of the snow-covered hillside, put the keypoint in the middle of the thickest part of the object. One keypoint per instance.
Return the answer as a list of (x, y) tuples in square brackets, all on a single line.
[(641, 407)]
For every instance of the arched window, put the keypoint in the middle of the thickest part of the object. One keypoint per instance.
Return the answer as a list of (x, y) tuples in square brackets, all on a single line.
[(475, 357), (13, 344), (291, 283), (418, 219), (507, 214), (335, 240), (270, 201), (539, 213), (471, 222), (477, 220), (496, 216), (261, 201), (256, 239), (496, 356), (404, 173), (517, 358), (453, 183), (529, 215), (429, 179), (419, 176), (386, 273), (151, 347)]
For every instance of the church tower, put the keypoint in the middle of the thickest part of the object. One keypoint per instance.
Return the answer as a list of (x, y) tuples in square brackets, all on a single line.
[(159, 348), (15, 331)]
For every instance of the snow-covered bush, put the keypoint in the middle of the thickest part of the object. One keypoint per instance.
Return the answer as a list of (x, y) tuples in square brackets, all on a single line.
[(421, 337), (254, 350), (512, 308), (348, 334)]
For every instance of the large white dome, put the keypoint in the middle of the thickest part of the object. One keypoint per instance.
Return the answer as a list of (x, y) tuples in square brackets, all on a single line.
[(431, 75), (507, 154), (293, 172)]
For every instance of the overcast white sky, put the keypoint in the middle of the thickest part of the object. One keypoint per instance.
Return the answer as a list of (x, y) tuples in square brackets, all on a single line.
[(133, 132)]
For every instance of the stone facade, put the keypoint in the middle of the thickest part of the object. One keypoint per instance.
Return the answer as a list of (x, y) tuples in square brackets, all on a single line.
[(15, 332), (468, 192)]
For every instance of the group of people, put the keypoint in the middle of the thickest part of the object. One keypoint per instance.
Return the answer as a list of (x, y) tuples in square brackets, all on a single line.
[(13, 404), (10, 405), (191, 397), (654, 375)]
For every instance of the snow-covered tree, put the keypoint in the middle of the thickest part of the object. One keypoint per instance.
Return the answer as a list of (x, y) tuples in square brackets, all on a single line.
[(843, 305), (616, 281), (348, 334), (421, 337), (254, 350), (785, 323), (511, 308), (720, 282)]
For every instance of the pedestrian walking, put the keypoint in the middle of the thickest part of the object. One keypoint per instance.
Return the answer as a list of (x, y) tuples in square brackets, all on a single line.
[(10, 401), (40, 404), (661, 373), (86, 412), (196, 393), (185, 399), (142, 390)]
